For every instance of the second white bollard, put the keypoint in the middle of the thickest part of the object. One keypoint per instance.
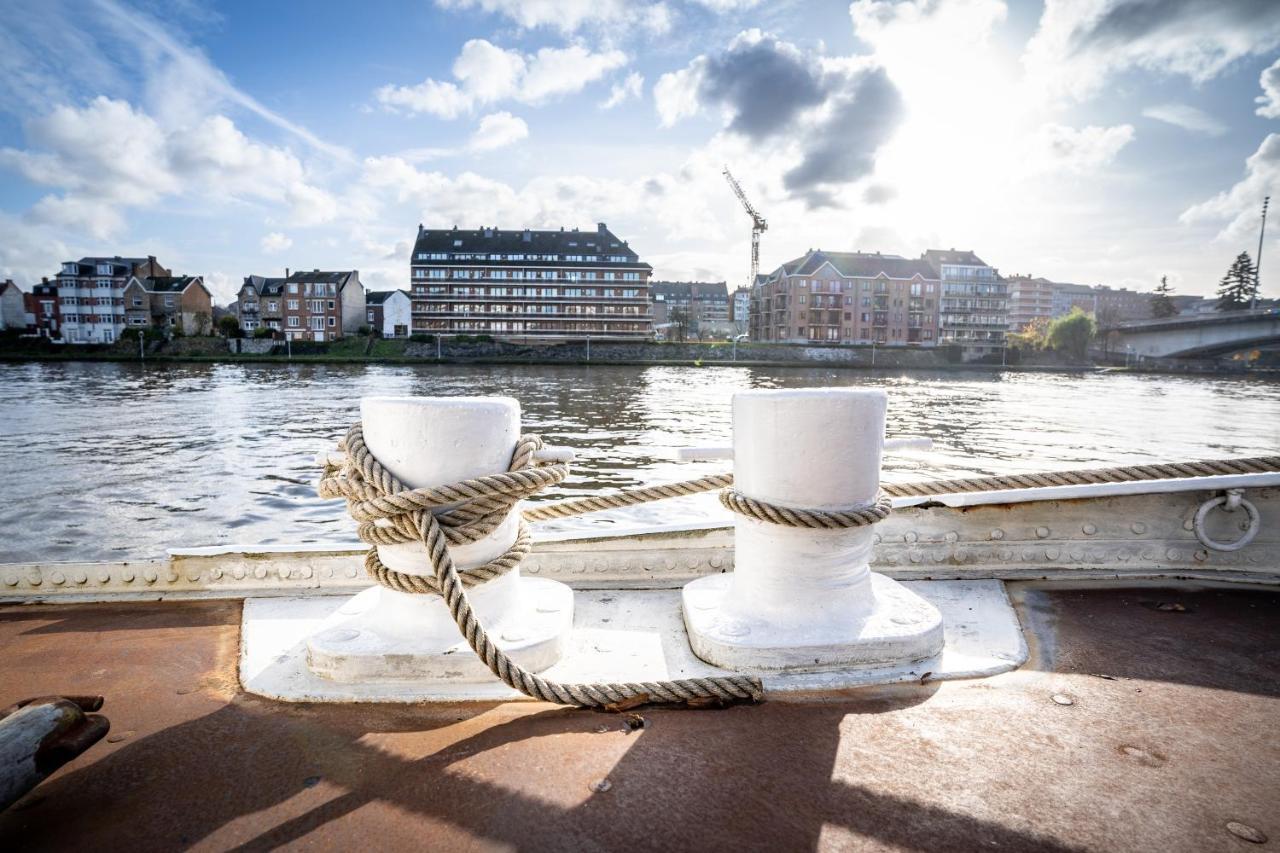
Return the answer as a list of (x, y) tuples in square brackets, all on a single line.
[(798, 598)]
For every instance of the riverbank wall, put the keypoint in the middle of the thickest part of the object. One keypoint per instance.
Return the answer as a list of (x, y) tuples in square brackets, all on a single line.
[(380, 351)]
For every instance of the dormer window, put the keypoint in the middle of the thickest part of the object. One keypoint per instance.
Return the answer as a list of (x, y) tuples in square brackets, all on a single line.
[(104, 269)]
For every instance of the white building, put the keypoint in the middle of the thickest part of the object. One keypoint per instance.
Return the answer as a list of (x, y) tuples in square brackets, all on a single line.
[(389, 312)]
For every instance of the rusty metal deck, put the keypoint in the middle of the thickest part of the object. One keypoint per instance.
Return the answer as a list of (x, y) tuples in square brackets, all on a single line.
[(1170, 735)]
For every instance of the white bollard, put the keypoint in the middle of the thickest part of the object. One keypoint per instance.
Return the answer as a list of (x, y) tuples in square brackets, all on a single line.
[(384, 634), (800, 598)]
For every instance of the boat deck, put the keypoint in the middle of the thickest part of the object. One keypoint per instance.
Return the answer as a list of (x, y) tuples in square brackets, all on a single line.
[(1169, 735)]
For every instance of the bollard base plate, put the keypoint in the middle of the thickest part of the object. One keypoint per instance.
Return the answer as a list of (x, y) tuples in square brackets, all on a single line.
[(901, 627), (626, 635)]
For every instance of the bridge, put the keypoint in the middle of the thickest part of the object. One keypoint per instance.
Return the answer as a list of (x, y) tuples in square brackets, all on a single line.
[(1197, 337)]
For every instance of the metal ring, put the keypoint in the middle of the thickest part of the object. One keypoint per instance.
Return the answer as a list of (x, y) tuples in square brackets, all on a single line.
[(1255, 523)]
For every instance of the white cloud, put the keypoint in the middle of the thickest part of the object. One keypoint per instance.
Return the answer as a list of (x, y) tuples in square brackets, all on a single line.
[(1081, 43), (498, 130), (1239, 207), (1079, 150), (487, 74), (1186, 117), (632, 87), (675, 95), (1269, 101), (138, 163), (568, 16), (275, 242)]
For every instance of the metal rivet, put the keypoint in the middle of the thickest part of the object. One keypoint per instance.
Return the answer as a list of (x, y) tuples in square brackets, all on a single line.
[(215, 573), (58, 578), (1138, 527), (80, 577), (307, 572), (716, 562), (260, 573), (1052, 554), (193, 575), (35, 580), (914, 556), (1042, 532), (1201, 555), (952, 536), (11, 580), (876, 539), (601, 786), (237, 573), (150, 576), (910, 536), (1062, 699), (1189, 524), (127, 576), (351, 573), (1090, 529), (997, 533), (1248, 833), (104, 577)]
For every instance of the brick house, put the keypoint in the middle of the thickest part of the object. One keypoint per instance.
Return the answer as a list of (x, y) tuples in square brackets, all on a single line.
[(169, 302), (313, 306)]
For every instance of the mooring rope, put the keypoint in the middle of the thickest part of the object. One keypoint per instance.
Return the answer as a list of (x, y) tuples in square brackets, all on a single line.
[(466, 511), (460, 513)]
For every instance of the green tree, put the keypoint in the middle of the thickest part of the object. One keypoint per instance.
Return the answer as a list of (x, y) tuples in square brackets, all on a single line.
[(1071, 333), (229, 326), (1239, 286), (1161, 305)]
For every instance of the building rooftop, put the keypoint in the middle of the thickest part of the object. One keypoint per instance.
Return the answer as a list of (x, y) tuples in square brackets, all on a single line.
[(377, 297), (495, 241), (961, 257), (169, 284), (338, 277)]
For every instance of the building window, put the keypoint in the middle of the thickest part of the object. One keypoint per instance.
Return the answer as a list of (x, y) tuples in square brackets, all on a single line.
[(333, 321), (369, 315), (291, 304), (137, 301), (168, 302), (330, 304), (293, 287), (293, 322)]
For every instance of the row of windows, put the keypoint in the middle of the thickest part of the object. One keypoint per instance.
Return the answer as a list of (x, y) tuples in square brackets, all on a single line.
[(502, 308), (524, 275), (316, 323), (917, 288), (473, 256), (316, 306), (543, 292)]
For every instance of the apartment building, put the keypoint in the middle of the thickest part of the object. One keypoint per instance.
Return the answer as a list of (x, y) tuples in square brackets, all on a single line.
[(542, 285), (701, 307), (91, 295), (1119, 305), (1067, 297), (389, 312), (973, 311), (740, 310), (319, 305), (1030, 299), (177, 303), (848, 297)]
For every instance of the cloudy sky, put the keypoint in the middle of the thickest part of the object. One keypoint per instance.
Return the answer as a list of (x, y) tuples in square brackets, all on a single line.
[(1096, 141)]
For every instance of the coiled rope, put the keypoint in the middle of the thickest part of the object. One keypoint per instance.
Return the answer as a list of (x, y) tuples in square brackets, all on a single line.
[(460, 513)]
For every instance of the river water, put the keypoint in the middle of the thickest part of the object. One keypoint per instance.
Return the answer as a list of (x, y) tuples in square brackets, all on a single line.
[(116, 461)]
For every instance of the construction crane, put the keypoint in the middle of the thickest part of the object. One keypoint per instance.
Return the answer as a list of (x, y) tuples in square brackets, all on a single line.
[(758, 225)]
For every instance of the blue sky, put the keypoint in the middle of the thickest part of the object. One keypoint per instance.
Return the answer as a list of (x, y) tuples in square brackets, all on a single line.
[(1095, 141)]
